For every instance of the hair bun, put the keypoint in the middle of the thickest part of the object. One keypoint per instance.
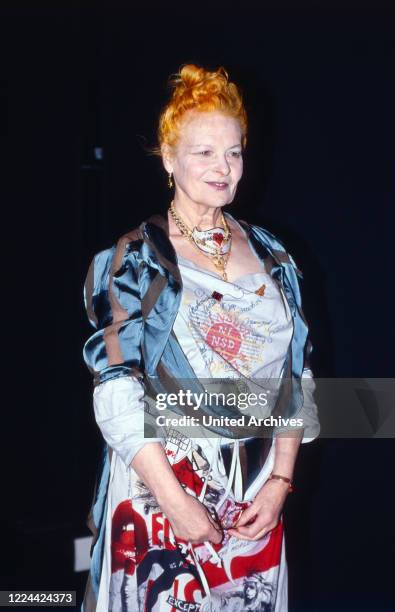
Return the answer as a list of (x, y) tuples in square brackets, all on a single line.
[(196, 89), (198, 81), (191, 75)]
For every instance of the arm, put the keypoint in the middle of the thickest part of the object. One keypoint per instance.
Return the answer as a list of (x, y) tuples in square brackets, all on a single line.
[(113, 355), (268, 503), (189, 518), (267, 506), (309, 412)]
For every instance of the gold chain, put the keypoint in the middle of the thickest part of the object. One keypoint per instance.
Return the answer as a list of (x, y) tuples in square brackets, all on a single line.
[(218, 259)]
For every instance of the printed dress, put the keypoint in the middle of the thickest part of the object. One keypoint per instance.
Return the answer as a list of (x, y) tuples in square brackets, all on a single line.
[(226, 330)]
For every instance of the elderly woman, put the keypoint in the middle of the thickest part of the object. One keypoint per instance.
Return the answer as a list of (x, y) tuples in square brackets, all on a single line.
[(183, 522)]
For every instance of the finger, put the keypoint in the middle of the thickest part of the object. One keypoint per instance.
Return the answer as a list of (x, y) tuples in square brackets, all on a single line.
[(236, 534), (255, 531), (217, 530), (248, 515), (258, 536), (251, 531), (215, 536)]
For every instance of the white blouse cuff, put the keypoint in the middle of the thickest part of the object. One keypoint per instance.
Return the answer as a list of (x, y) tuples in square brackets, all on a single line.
[(119, 413)]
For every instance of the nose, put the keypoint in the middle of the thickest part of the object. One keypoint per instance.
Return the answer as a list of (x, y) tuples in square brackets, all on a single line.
[(222, 165)]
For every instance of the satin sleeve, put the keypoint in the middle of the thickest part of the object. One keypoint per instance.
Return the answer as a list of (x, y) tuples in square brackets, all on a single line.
[(309, 412), (113, 305), (112, 353)]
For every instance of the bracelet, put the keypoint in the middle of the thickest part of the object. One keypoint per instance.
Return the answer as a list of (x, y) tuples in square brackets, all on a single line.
[(284, 479)]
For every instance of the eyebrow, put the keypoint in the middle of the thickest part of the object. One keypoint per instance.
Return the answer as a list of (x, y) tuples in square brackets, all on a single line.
[(209, 145)]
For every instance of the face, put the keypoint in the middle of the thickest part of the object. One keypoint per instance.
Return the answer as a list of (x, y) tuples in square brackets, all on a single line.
[(207, 163), (250, 592)]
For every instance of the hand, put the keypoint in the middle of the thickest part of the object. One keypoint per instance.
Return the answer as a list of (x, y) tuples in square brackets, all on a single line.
[(263, 514), (191, 521)]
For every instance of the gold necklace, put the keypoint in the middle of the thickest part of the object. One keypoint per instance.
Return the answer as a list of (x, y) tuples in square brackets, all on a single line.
[(215, 243)]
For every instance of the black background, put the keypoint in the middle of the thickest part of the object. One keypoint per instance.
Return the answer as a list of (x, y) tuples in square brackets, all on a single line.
[(318, 83)]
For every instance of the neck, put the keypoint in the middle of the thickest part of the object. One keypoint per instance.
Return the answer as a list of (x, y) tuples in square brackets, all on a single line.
[(198, 215)]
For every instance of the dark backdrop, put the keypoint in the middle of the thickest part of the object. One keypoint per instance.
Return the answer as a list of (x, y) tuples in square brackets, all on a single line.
[(319, 88)]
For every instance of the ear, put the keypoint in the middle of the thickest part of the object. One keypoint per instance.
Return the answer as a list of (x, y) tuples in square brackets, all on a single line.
[(167, 157)]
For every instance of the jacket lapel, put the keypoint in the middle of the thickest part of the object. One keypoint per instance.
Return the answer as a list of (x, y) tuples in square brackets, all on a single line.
[(156, 234), (161, 288)]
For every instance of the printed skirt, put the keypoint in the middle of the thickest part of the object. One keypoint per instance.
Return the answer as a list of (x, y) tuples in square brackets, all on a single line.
[(147, 569)]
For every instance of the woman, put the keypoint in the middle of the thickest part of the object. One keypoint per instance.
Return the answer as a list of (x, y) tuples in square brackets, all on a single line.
[(185, 523)]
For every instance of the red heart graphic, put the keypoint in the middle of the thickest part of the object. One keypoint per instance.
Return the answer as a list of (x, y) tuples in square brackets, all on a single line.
[(218, 238)]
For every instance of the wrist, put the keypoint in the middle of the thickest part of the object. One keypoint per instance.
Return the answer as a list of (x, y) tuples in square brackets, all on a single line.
[(171, 498), (282, 481)]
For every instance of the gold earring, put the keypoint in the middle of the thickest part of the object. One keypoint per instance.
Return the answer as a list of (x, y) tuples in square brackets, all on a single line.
[(169, 181)]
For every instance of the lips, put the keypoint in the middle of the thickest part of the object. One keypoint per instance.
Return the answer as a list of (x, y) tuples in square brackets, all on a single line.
[(129, 538), (218, 185)]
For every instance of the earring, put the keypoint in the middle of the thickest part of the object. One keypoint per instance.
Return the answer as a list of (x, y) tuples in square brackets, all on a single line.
[(169, 181)]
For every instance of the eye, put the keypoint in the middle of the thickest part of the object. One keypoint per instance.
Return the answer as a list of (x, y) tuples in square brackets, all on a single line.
[(236, 154), (205, 153)]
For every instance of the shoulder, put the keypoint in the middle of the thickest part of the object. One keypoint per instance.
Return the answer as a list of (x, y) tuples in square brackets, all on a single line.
[(263, 234), (109, 260), (132, 239), (128, 244), (274, 244)]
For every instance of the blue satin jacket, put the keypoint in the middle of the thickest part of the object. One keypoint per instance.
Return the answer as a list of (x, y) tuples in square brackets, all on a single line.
[(132, 295)]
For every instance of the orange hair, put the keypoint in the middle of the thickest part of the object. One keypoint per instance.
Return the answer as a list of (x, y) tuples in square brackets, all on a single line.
[(197, 89)]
